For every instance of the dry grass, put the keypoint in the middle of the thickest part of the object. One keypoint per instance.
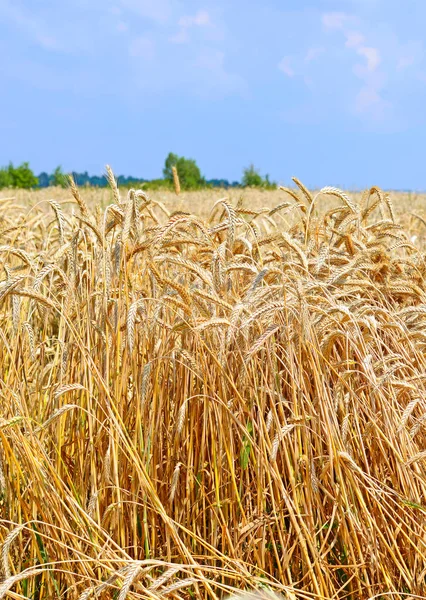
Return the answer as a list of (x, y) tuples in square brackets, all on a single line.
[(195, 404)]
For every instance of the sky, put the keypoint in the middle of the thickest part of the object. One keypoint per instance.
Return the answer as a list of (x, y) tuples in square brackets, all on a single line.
[(330, 91)]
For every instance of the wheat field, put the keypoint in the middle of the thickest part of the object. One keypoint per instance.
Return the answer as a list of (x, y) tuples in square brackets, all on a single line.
[(212, 392)]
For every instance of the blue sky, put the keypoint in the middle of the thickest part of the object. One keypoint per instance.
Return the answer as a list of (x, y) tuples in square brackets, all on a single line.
[(333, 92)]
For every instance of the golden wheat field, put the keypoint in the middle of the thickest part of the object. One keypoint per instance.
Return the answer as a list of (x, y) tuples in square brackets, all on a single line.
[(212, 392)]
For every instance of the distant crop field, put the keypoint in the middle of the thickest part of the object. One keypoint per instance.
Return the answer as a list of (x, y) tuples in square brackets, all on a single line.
[(201, 202), (212, 391)]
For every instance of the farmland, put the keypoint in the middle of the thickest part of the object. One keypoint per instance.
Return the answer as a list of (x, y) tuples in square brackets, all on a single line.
[(212, 391)]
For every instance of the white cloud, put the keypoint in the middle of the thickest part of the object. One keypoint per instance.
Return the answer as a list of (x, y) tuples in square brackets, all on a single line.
[(211, 60), (410, 54), (142, 47), (404, 62), (285, 66), (354, 39), (369, 101), (156, 10), (30, 25), (122, 26), (181, 37), (309, 82), (367, 98), (200, 19), (47, 42), (335, 20), (211, 75), (313, 53), (372, 56)]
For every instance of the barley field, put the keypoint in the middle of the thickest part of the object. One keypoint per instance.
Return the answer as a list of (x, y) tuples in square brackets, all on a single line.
[(212, 391)]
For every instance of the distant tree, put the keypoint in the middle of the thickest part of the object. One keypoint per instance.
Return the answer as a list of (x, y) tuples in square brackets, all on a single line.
[(189, 173), (218, 183), (252, 178), (130, 182), (5, 178), (98, 181), (157, 184), (22, 176), (171, 161), (81, 178), (222, 183), (58, 178), (43, 179)]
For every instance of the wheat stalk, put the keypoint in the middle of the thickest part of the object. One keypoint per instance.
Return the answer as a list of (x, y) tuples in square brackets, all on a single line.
[(176, 181)]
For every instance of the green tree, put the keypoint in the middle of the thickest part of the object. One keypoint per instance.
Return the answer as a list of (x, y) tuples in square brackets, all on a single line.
[(171, 161), (22, 176), (189, 173), (5, 178), (252, 178), (59, 178)]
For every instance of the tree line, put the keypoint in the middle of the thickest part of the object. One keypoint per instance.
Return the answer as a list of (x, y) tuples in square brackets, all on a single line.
[(189, 173)]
